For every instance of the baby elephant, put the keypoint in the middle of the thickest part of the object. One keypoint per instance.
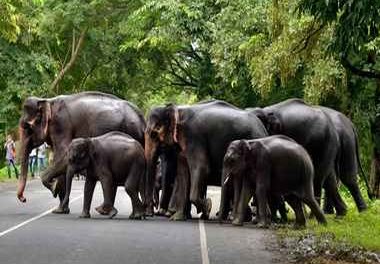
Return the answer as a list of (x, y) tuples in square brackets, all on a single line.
[(270, 167), (115, 159)]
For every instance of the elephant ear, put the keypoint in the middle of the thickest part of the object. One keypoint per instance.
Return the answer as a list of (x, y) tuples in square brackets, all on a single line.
[(245, 148), (260, 113), (44, 111), (90, 149), (171, 114)]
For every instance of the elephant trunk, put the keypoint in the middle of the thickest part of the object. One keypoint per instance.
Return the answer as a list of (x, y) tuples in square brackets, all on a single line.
[(24, 159), (224, 206), (151, 167)]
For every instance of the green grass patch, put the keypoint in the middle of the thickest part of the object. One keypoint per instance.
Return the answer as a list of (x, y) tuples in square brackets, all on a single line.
[(4, 174), (355, 229)]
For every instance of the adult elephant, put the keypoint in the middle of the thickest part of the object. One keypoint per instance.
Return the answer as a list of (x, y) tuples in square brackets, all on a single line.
[(58, 120), (313, 129), (202, 133), (348, 162)]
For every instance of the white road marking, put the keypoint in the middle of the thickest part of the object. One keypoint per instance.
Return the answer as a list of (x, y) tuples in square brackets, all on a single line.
[(34, 218), (204, 250)]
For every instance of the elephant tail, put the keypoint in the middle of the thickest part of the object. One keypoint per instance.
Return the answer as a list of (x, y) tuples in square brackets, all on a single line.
[(362, 173)]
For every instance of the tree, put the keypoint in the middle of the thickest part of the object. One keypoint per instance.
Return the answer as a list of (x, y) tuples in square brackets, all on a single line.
[(356, 41)]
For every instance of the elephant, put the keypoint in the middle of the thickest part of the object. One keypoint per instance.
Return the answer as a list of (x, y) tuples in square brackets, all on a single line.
[(165, 179), (313, 129), (272, 167), (114, 159), (58, 120), (202, 133), (348, 162)]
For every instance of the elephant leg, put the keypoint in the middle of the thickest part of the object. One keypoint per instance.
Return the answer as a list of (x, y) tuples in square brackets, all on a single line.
[(100, 208), (89, 187), (199, 172), (108, 187), (296, 204), (282, 210), (331, 188), (61, 209), (132, 189), (244, 197), (262, 205), (167, 190), (181, 194), (328, 205), (277, 204), (351, 183), (310, 201), (172, 203)]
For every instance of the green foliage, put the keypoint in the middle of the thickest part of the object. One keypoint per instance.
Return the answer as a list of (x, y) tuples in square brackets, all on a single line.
[(9, 19)]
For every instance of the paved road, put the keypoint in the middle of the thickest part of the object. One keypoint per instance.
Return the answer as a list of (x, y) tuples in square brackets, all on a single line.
[(30, 234)]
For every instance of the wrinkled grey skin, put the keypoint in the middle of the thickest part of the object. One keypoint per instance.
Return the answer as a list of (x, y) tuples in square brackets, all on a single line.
[(165, 178), (60, 119), (114, 159), (313, 129), (202, 132), (348, 162), (271, 167)]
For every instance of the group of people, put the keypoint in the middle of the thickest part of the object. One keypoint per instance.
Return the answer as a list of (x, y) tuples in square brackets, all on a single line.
[(37, 158)]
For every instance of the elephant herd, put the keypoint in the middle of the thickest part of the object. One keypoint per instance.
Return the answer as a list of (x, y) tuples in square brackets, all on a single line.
[(289, 152)]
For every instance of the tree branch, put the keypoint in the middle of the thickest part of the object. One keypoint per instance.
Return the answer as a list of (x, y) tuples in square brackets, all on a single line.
[(180, 78), (75, 51), (372, 74), (306, 40)]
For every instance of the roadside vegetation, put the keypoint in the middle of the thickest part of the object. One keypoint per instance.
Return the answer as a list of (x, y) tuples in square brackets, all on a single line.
[(248, 52), (354, 238), (4, 174)]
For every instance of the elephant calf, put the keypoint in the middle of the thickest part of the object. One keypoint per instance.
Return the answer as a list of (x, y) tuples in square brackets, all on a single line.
[(271, 167), (115, 159)]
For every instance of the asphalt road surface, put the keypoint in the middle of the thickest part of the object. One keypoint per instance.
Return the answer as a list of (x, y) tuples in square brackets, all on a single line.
[(31, 234)]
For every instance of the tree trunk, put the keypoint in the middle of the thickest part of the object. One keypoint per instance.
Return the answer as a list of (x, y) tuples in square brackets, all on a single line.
[(375, 168), (75, 48)]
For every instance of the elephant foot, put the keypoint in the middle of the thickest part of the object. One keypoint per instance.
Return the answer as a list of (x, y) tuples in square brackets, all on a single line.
[(161, 212), (362, 208), (61, 210), (85, 215), (248, 216), (137, 216), (100, 210), (237, 222), (206, 215), (178, 217), (149, 211), (112, 213), (341, 214), (299, 226), (328, 211), (263, 225), (169, 213), (255, 221)]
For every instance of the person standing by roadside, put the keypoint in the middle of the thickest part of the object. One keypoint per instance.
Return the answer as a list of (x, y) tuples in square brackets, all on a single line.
[(10, 148), (41, 153), (33, 161)]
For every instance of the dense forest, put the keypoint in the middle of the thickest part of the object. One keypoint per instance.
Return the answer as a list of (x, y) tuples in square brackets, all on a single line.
[(249, 53)]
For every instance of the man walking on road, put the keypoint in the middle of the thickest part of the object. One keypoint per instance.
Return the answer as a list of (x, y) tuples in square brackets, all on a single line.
[(10, 148)]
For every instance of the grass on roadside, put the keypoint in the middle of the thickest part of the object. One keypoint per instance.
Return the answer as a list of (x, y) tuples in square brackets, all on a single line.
[(4, 174), (355, 229)]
